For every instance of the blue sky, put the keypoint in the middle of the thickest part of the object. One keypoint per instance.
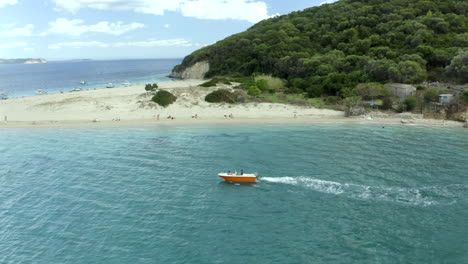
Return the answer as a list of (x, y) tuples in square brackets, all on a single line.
[(119, 29)]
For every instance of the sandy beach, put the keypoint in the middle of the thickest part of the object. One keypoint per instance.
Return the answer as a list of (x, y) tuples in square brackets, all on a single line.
[(131, 106)]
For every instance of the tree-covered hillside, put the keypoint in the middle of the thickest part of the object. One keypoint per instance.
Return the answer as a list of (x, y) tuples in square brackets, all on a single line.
[(327, 49)]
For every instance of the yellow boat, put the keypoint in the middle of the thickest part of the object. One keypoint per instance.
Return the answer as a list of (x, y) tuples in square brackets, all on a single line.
[(234, 177)]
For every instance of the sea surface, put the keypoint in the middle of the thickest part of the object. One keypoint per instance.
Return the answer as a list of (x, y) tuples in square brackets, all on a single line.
[(327, 194), (63, 76)]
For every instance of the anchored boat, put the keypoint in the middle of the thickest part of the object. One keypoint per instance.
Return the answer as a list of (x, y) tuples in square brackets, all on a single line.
[(234, 177)]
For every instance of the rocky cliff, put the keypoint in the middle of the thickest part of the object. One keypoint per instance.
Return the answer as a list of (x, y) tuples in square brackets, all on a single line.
[(196, 71)]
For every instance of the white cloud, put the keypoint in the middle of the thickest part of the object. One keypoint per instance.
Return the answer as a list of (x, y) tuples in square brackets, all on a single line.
[(167, 26), (75, 27), (249, 10), (7, 2), (143, 44), (328, 2), (25, 31), (225, 9), (13, 45), (7, 25)]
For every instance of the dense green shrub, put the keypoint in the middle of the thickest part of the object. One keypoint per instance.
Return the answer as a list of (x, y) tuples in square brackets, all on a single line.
[(371, 91), (293, 91), (273, 84), (332, 100), (254, 91), (220, 96), (410, 103), (262, 85), (151, 87), (164, 98), (246, 83)]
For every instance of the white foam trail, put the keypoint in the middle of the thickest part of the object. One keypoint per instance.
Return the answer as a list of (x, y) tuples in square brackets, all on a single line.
[(412, 196), (286, 180)]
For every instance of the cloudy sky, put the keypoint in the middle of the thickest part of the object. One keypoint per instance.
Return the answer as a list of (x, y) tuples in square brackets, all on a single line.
[(118, 29)]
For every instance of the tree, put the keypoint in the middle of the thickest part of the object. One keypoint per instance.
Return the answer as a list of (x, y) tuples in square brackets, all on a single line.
[(458, 67), (431, 95), (370, 91), (410, 103), (411, 72), (387, 103), (353, 106)]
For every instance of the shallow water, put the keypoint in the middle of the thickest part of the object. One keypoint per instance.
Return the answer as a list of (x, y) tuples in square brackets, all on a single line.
[(327, 193)]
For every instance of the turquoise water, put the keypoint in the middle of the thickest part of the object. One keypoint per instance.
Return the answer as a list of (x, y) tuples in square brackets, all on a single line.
[(328, 194)]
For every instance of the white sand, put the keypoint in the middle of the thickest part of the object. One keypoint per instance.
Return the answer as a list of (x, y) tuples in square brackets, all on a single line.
[(132, 106)]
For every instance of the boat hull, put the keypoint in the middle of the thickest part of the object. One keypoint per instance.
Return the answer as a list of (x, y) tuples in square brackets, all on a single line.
[(238, 178)]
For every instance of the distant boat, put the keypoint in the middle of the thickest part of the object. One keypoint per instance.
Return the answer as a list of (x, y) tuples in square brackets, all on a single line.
[(235, 177), (83, 82), (76, 90), (41, 92), (126, 83), (110, 85), (3, 96)]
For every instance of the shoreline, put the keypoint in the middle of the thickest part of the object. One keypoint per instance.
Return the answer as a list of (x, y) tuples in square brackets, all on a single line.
[(223, 122), (132, 106)]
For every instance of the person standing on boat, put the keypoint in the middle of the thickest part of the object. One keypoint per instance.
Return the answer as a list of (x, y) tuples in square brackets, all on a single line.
[(242, 172)]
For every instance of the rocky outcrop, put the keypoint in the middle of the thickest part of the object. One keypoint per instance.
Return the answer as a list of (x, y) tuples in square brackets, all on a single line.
[(196, 71), (401, 90), (32, 61)]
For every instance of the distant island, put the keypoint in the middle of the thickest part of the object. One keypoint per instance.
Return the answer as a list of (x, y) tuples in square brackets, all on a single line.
[(23, 61)]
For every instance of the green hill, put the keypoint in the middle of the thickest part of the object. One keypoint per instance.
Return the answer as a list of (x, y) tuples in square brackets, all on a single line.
[(326, 49)]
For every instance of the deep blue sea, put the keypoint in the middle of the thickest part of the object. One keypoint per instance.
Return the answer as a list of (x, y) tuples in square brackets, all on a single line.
[(327, 194), (54, 77)]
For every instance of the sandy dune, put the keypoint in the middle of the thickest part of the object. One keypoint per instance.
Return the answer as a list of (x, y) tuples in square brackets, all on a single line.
[(132, 106)]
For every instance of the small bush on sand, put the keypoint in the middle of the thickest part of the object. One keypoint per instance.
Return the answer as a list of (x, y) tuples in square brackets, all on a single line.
[(164, 98), (220, 96), (151, 87)]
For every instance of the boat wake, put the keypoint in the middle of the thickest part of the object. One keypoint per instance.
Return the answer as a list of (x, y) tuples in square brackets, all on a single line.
[(424, 196)]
